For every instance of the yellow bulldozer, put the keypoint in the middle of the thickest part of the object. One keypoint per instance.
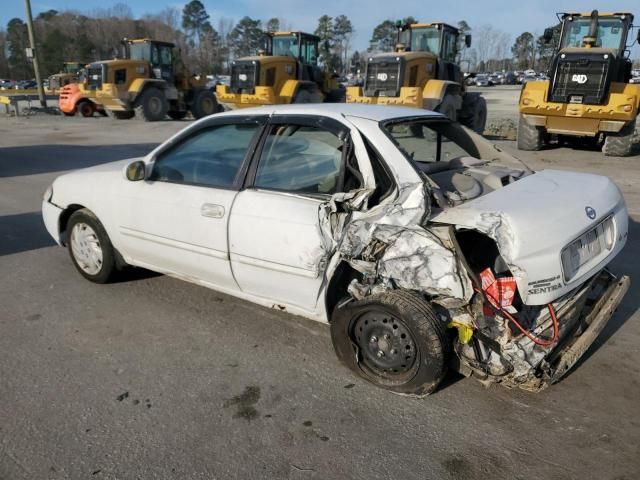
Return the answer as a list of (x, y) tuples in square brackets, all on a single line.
[(149, 83), (589, 95), (422, 72), (285, 71)]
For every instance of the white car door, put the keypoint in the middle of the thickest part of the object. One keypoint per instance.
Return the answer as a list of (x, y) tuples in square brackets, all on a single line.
[(176, 220), (275, 243)]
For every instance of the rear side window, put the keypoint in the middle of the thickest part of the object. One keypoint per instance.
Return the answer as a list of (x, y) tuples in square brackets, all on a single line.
[(303, 159), (211, 157)]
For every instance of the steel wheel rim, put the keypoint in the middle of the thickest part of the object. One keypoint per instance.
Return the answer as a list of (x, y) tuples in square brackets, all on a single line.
[(86, 248), (207, 105), (387, 348), (155, 105)]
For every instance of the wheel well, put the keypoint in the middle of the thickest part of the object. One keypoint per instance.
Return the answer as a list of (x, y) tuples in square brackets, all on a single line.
[(64, 219), (337, 289)]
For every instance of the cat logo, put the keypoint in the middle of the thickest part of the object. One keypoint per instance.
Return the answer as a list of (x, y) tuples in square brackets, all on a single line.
[(579, 79), (382, 77)]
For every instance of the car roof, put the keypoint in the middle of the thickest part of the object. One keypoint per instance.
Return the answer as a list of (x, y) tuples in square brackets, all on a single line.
[(376, 113)]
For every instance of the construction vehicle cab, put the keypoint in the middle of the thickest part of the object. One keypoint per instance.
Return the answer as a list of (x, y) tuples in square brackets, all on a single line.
[(589, 93), (150, 83), (69, 74), (422, 73), (285, 71)]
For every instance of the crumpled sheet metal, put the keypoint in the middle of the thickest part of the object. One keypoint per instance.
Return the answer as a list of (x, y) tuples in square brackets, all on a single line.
[(391, 245)]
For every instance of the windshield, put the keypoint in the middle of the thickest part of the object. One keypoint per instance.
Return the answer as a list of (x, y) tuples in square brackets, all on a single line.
[(610, 32), (434, 145), (425, 39), (140, 51), (71, 67), (286, 45)]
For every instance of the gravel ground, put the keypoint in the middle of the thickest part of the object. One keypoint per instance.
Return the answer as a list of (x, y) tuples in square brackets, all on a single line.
[(157, 378)]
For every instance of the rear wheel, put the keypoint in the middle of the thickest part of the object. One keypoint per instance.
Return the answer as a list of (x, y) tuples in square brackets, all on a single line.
[(530, 138), (393, 340), (619, 144), (90, 248), (151, 105), (86, 108), (204, 104)]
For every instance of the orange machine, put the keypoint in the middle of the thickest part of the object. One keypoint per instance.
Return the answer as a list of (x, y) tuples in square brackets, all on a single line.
[(75, 99)]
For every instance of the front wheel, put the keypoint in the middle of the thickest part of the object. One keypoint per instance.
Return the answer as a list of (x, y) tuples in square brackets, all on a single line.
[(619, 144), (393, 340), (448, 108), (530, 138), (90, 248), (151, 105)]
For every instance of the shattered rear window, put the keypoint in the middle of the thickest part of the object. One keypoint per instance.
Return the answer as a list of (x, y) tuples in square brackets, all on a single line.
[(428, 141)]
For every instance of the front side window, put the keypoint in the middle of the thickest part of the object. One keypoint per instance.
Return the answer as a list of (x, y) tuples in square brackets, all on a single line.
[(449, 46), (428, 142), (300, 159), (211, 157)]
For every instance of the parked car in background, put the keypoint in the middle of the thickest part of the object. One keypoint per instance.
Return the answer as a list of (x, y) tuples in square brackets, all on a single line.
[(509, 78), (417, 240), (7, 84), (483, 80), (26, 84), (529, 78)]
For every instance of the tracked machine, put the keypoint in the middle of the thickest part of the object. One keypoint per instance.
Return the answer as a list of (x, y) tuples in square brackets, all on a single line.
[(422, 73), (285, 71), (589, 97)]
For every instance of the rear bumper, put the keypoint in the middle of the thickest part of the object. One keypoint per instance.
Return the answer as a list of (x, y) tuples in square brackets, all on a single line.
[(592, 322)]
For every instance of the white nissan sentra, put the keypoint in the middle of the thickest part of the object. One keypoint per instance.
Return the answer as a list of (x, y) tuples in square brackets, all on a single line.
[(421, 244)]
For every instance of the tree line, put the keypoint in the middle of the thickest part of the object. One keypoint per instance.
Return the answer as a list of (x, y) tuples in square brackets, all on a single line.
[(207, 46)]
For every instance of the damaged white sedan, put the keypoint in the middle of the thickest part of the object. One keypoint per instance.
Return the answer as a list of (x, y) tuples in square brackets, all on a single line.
[(420, 243)]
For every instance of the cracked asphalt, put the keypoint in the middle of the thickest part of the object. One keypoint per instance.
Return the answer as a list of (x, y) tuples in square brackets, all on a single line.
[(153, 377)]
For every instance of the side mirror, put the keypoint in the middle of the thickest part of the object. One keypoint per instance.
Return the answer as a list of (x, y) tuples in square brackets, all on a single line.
[(467, 40), (638, 36), (548, 34), (135, 171)]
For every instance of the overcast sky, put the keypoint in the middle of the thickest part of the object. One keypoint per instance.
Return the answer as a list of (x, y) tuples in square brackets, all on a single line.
[(510, 16)]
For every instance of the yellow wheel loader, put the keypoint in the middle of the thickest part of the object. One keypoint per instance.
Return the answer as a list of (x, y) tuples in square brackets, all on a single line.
[(69, 74), (149, 83), (589, 96), (422, 73), (286, 71)]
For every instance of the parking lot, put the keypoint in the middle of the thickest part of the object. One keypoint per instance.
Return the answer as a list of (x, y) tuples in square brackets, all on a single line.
[(152, 377)]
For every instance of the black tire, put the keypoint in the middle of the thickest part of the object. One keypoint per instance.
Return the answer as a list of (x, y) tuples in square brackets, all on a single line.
[(530, 138), (619, 144), (476, 113), (204, 104), (119, 114), (86, 108), (414, 342), (108, 263), (151, 105), (448, 108), (337, 95), (176, 115), (307, 95)]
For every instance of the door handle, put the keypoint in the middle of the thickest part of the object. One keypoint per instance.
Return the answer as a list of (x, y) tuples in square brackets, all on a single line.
[(212, 210)]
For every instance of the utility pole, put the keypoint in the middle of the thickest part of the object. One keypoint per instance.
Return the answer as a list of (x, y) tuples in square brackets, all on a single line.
[(32, 43)]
